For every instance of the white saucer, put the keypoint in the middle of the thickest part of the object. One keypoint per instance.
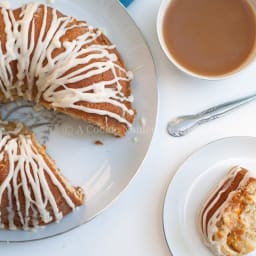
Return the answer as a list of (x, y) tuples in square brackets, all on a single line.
[(191, 185)]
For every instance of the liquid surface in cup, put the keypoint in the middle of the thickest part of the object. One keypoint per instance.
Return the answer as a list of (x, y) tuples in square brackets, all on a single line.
[(210, 37)]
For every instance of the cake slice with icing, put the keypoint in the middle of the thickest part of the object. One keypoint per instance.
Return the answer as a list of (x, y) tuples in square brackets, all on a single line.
[(33, 192), (228, 217)]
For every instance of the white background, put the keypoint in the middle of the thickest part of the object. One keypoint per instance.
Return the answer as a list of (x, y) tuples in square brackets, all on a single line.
[(133, 224)]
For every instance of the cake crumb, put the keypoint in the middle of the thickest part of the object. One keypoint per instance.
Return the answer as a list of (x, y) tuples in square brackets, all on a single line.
[(135, 139), (50, 1), (143, 122), (98, 142)]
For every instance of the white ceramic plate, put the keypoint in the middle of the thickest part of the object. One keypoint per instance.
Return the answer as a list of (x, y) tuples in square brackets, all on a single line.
[(191, 185), (104, 171)]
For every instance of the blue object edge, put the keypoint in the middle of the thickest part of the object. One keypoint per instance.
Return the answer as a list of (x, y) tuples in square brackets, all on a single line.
[(126, 2)]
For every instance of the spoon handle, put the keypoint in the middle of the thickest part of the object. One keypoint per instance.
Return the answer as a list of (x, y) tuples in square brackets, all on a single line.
[(219, 110), (180, 126)]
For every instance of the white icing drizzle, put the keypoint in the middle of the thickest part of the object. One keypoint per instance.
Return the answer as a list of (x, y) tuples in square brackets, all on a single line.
[(18, 127), (52, 75), (210, 228), (5, 4), (27, 172)]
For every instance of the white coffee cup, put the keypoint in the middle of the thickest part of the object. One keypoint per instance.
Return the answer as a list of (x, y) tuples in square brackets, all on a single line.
[(160, 22)]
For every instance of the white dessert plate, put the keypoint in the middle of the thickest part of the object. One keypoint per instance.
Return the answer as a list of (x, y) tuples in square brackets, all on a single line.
[(191, 186), (104, 171)]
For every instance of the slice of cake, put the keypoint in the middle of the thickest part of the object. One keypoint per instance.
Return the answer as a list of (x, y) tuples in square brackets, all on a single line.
[(228, 217), (33, 192)]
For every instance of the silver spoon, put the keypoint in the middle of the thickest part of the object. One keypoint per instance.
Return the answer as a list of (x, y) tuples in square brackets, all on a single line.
[(182, 125)]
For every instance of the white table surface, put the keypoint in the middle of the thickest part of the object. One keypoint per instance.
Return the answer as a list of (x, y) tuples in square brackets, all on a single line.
[(133, 224)]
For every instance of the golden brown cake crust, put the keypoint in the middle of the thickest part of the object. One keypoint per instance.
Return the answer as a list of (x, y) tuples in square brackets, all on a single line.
[(26, 200), (228, 216), (114, 114)]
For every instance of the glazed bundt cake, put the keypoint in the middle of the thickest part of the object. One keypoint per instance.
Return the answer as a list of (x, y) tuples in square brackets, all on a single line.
[(65, 65), (228, 218), (33, 192)]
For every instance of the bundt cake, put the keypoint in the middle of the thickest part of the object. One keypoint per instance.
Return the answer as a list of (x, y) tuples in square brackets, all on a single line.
[(65, 65), (228, 217), (33, 192)]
